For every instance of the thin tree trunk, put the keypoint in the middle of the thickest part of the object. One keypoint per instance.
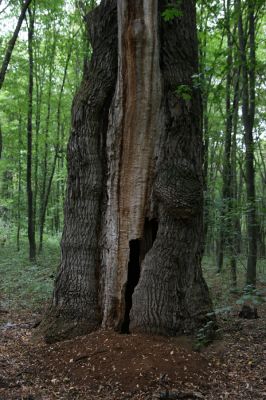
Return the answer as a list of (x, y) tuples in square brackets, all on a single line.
[(45, 183), (47, 189), (39, 81), (262, 229), (233, 211), (57, 200), (239, 224), (1, 142), (261, 222), (46, 199), (12, 42), (225, 227), (19, 182), (248, 113), (31, 226)]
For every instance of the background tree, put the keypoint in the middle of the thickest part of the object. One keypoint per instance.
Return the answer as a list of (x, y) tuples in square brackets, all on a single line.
[(12, 42), (248, 65), (46, 145), (227, 210), (31, 222)]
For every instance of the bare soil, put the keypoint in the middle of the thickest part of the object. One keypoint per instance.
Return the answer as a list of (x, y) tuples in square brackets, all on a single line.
[(107, 365)]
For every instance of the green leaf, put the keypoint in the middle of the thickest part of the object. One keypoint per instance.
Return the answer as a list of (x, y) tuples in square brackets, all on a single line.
[(170, 13)]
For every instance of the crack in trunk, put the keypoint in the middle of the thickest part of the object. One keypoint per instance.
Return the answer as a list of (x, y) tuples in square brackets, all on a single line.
[(133, 233)]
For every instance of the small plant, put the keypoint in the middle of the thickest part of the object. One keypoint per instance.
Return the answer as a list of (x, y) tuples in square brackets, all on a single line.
[(208, 332), (205, 335), (197, 80), (172, 11), (25, 285), (184, 91), (221, 310), (250, 299), (252, 296)]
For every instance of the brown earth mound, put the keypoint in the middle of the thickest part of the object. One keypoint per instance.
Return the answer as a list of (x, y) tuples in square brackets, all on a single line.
[(107, 365)]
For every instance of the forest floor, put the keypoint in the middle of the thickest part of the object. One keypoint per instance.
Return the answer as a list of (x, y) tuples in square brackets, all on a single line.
[(110, 366), (107, 365)]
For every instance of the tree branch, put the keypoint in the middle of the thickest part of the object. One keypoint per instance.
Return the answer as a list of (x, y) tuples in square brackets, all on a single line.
[(12, 42)]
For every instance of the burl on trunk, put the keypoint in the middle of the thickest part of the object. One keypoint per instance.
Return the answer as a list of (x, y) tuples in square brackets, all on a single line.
[(133, 239)]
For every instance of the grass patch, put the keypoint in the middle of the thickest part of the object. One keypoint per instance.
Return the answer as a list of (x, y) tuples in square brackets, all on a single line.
[(220, 284), (26, 285)]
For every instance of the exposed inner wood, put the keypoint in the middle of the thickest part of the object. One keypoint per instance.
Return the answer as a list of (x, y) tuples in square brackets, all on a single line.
[(133, 131), (171, 297)]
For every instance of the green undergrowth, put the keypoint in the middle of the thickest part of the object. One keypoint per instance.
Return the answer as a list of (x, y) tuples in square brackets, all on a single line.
[(26, 285), (228, 300), (221, 290)]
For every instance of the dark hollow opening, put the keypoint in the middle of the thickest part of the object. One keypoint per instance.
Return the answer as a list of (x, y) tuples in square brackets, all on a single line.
[(137, 250), (132, 280), (149, 236)]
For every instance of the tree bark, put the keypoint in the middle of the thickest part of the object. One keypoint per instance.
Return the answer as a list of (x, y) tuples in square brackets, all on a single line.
[(248, 113), (233, 209), (172, 297), (46, 185), (1, 142), (133, 233), (19, 182), (31, 225), (75, 308), (225, 219)]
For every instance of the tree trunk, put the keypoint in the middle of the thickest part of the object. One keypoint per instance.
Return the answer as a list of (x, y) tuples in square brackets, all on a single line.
[(233, 210), (12, 42), (1, 142), (45, 189), (133, 232), (248, 114), (39, 84), (31, 225), (225, 219), (19, 181), (262, 219)]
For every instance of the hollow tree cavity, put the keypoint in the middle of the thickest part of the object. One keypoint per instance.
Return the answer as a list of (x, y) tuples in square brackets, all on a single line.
[(133, 240)]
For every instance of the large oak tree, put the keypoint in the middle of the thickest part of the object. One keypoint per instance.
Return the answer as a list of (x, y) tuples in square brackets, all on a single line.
[(133, 237)]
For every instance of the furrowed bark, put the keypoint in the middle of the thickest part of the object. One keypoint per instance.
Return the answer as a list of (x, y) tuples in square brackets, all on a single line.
[(172, 297), (133, 213), (74, 309)]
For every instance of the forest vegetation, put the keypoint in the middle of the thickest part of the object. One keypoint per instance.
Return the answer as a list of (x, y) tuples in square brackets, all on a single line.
[(61, 81)]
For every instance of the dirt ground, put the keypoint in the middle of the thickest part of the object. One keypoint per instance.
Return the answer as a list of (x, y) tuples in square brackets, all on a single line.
[(107, 365)]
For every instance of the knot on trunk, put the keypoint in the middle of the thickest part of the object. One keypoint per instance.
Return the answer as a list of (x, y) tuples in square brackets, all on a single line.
[(179, 189)]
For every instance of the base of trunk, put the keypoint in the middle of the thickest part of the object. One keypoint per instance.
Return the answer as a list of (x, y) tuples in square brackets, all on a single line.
[(133, 232), (56, 327)]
